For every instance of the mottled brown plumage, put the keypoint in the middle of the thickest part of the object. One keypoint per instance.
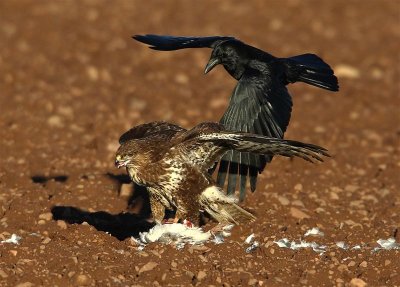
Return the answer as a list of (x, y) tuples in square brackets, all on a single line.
[(173, 164)]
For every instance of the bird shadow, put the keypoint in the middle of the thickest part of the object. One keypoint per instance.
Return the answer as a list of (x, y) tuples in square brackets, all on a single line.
[(41, 179), (121, 225), (138, 200)]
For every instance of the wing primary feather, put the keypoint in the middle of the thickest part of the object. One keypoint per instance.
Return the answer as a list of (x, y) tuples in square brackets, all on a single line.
[(232, 177), (170, 43), (253, 172), (243, 171), (222, 172)]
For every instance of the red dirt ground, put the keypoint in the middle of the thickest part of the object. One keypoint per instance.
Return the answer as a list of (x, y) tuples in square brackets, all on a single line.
[(72, 81)]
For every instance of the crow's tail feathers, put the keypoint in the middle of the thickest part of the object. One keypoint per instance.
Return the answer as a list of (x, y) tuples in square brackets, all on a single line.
[(311, 69)]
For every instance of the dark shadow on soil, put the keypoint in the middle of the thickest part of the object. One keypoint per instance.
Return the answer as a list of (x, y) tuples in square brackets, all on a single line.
[(44, 179), (121, 226), (120, 178)]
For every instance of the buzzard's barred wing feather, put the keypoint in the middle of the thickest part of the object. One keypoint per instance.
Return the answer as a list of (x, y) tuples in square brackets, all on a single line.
[(159, 128), (201, 154), (263, 145), (170, 43)]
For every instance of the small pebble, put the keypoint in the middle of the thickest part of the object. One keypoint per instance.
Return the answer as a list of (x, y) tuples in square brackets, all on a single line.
[(3, 274), (357, 282), (297, 213), (346, 71), (201, 275), (125, 190), (82, 280), (148, 267), (61, 224), (46, 216)]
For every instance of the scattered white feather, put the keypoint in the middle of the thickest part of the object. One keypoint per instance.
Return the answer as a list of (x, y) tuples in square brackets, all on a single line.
[(254, 244), (342, 245), (387, 244), (218, 239), (314, 231), (286, 243), (249, 239), (14, 239), (180, 235), (252, 247)]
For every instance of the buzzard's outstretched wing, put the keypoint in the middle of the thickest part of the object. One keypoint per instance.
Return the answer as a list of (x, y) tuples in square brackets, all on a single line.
[(160, 128), (251, 143), (206, 147), (169, 43), (259, 104), (201, 154)]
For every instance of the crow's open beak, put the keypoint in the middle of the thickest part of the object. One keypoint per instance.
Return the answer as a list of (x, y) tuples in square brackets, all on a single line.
[(211, 64)]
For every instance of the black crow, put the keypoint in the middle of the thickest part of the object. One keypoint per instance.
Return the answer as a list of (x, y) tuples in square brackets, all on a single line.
[(260, 102)]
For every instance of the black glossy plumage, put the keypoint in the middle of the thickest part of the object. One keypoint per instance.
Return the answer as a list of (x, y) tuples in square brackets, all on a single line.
[(260, 102), (170, 43)]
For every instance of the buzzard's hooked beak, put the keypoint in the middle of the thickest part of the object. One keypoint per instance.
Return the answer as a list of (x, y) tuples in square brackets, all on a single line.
[(120, 164), (211, 64)]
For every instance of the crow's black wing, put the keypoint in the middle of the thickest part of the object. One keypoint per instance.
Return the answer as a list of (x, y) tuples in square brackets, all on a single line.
[(160, 128), (169, 43), (260, 104)]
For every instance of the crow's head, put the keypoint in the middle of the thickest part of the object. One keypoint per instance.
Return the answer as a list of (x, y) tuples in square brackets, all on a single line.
[(230, 54)]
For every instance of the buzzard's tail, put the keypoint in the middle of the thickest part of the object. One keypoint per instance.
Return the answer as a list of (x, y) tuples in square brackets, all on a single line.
[(311, 69), (222, 207), (236, 214)]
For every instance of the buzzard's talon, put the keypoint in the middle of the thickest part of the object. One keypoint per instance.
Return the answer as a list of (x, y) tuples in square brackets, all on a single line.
[(187, 223), (221, 230), (167, 221), (217, 229), (170, 220)]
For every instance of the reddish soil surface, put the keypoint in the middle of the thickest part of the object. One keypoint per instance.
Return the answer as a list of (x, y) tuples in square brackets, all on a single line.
[(72, 81)]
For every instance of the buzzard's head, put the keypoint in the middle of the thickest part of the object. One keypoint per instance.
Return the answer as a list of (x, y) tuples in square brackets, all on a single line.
[(126, 155), (122, 160)]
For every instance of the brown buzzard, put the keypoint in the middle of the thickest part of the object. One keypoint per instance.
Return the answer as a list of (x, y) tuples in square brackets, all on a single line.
[(173, 164)]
